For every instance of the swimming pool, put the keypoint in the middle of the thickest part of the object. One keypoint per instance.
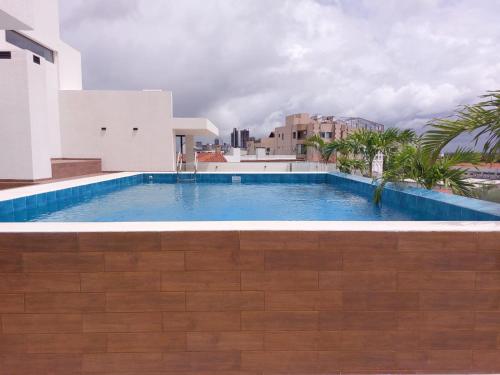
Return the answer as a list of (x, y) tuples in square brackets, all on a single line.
[(240, 197)]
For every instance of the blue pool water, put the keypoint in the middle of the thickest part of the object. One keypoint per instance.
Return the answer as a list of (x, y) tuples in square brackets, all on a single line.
[(188, 202), (158, 197)]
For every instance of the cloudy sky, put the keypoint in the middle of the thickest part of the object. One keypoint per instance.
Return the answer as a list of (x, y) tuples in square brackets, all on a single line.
[(248, 63)]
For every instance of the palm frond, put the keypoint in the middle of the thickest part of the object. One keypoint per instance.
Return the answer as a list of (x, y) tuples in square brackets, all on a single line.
[(482, 119), (416, 164), (320, 145)]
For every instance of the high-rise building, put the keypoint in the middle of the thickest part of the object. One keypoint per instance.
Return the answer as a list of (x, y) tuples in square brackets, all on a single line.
[(244, 137), (234, 138)]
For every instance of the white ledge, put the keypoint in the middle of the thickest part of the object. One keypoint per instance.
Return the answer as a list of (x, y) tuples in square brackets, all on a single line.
[(191, 226)]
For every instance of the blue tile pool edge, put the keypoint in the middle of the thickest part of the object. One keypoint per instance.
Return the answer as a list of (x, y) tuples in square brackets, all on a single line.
[(421, 200), (244, 178), (10, 206)]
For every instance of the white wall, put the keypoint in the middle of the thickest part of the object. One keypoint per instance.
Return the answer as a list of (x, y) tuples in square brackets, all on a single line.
[(33, 118), (70, 67), (15, 140), (194, 126), (16, 14), (50, 96), (25, 143), (52, 104), (44, 105), (261, 155), (151, 148), (43, 19), (266, 167), (234, 155), (45, 23)]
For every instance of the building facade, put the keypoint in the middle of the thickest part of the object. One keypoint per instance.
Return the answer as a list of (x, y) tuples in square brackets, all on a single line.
[(244, 137), (267, 143), (235, 138), (45, 113), (290, 139)]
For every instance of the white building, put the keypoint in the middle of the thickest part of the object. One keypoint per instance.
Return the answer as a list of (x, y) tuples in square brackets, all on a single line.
[(45, 114)]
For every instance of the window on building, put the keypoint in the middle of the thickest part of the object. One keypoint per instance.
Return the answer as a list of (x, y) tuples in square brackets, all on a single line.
[(5, 55), (322, 134), (302, 134), (36, 59), (301, 149), (294, 135), (23, 42), (328, 135)]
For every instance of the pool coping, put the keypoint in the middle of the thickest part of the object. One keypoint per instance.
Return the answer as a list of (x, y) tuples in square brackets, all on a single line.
[(151, 226), (282, 226)]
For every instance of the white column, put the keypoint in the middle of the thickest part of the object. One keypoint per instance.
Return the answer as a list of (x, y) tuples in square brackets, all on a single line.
[(189, 149)]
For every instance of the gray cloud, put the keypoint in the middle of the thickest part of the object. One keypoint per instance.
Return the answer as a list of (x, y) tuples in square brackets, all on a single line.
[(248, 63), (76, 12)]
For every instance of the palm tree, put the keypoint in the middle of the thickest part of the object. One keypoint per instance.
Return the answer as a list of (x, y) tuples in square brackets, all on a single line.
[(368, 143), (407, 136), (357, 151), (482, 118), (392, 140), (345, 150), (321, 146), (414, 163), (350, 165)]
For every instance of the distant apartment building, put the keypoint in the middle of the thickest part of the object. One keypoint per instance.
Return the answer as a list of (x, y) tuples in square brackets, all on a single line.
[(265, 142), (234, 138), (290, 139), (357, 123), (244, 137), (225, 147)]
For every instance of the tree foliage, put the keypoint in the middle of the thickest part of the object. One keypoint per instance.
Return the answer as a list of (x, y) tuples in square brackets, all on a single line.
[(408, 158), (413, 163), (481, 119), (357, 151)]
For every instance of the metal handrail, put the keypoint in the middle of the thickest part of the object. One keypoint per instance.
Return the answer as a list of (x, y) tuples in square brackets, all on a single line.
[(178, 162)]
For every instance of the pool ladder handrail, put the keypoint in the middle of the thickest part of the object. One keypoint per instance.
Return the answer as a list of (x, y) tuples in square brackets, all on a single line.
[(195, 163), (178, 162), (179, 168)]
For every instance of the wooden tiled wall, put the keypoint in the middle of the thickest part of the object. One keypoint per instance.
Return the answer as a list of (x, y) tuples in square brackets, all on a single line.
[(64, 168), (249, 303)]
